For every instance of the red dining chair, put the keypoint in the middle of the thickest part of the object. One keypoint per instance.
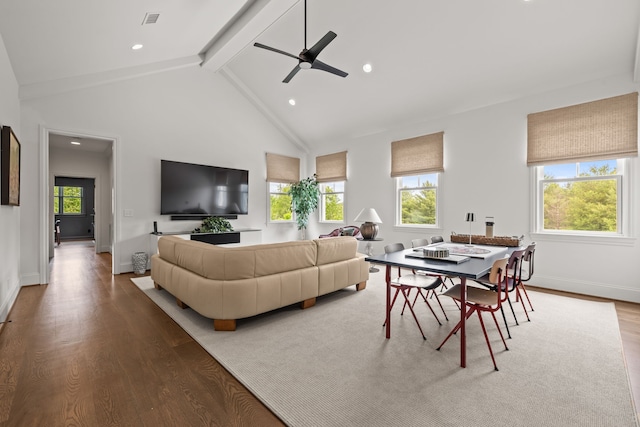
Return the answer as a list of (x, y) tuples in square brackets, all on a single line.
[(404, 284), (481, 300)]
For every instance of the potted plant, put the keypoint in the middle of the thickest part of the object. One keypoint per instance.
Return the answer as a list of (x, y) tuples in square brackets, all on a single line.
[(304, 200), (214, 224)]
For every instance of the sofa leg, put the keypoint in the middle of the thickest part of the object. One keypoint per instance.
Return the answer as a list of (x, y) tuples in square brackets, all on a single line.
[(157, 285), (308, 303), (360, 286), (181, 304), (224, 325)]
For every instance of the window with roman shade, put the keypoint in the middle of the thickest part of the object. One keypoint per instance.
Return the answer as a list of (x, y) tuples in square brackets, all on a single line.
[(282, 171), (580, 159), (331, 173), (604, 129), (416, 165), (419, 155)]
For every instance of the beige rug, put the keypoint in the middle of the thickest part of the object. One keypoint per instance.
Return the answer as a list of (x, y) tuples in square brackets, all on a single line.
[(330, 365)]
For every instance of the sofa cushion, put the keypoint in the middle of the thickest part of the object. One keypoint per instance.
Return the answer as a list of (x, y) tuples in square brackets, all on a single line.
[(237, 263), (336, 249)]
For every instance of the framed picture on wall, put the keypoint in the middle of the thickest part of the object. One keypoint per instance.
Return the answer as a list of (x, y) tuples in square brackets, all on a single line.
[(9, 167)]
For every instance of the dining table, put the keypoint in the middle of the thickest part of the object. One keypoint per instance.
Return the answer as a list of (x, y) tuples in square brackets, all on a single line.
[(474, 267)]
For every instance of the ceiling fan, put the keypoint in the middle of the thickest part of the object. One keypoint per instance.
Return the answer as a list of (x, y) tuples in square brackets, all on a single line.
[(307, 58)]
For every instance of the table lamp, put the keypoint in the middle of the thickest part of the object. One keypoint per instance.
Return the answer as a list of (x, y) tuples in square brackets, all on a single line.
[(369, 229), (471, 217)]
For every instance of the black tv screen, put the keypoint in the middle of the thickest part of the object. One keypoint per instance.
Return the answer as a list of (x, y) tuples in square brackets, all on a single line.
[(190, 189)]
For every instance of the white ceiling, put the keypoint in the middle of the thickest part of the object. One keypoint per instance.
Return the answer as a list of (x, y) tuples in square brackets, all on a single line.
[(429, 57)]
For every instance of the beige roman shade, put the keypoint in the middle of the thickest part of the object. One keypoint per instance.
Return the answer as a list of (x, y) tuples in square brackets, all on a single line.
[(331, 167), (415, 156), (605, 129), (282, 168)]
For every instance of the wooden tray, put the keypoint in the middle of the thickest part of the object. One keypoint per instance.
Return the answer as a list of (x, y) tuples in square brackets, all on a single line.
[(484, 240)]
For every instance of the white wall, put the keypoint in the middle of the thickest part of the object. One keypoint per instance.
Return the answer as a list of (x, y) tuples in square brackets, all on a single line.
[(486, 173), (189, 115), (9, 215)]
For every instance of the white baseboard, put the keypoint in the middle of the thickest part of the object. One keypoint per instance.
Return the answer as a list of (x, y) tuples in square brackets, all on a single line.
[(8, 303), (604, 290), (30, 279)]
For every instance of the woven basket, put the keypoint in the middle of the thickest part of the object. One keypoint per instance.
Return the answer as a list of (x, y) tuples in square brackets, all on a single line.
[(484, 240)]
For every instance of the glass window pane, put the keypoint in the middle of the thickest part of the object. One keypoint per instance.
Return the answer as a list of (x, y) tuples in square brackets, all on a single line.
[(581, 205), (333, 207), (426, 180), (279, 187), (280, 207), (418, 206)]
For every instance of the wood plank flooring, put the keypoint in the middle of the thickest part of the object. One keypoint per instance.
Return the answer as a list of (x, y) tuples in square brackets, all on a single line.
[(91, 349)]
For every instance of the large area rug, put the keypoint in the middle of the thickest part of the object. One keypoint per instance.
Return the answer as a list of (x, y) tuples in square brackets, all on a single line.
[(330, 365)]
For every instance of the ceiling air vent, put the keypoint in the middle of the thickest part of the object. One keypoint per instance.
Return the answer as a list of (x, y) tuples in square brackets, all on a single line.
[(150, 18)]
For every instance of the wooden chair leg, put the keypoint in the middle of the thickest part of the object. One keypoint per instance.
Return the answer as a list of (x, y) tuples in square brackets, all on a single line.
[(307, 303), (224, 324)]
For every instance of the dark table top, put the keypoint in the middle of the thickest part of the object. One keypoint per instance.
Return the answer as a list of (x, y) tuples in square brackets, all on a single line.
[(474, 268)]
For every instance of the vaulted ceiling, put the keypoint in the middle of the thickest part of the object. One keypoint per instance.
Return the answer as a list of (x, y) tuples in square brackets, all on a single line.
[(429, 57)]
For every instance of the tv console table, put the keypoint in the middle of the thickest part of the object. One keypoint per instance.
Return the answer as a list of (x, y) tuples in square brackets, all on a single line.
[(238, 237)]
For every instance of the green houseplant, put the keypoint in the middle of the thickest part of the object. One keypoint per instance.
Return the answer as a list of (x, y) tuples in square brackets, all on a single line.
[(214, 224), (304, 200)]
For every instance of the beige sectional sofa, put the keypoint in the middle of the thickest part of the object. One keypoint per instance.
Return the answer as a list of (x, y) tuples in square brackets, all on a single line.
[(230, 283)]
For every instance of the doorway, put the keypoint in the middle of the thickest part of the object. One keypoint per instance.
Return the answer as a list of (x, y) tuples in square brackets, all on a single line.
[(69, 157)]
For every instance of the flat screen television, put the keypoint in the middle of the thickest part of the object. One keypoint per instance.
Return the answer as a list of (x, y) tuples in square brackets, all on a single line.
[(188, 189)]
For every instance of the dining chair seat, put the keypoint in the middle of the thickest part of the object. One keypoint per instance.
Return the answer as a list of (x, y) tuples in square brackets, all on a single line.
[(479, 300), (405, 284)]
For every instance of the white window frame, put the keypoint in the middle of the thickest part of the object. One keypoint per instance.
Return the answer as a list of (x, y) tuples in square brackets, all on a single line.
[(269, 193), (321, 202), (438, 190), (623, 235)]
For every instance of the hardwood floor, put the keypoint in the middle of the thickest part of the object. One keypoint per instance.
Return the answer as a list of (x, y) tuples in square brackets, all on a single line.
[(91, 349)]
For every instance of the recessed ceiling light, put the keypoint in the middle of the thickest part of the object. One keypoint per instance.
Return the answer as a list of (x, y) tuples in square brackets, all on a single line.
[(75, 143), (292, 101), (367, 68), (136, 46)]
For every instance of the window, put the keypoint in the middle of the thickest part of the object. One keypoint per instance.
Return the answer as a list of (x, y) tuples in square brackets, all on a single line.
[(417, 197), (581, 198), (281, 172), (280, 202), (67, 200), (332, 201)]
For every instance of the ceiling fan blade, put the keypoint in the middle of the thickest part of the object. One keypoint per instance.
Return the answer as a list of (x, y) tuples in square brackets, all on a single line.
[(291, 74), (317, 48), (273, 49), (319, 65)]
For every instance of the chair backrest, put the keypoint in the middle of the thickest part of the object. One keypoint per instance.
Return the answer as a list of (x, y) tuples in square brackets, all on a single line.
[(415, 243), (514, 267), (528, 257), (437, 239), (393, 247), (498, 270)]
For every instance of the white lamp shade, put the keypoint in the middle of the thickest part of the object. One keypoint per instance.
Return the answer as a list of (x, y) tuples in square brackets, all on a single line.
[(368, 215)]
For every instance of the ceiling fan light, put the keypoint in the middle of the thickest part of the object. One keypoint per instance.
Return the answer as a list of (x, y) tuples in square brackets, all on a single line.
[(305, 65)]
